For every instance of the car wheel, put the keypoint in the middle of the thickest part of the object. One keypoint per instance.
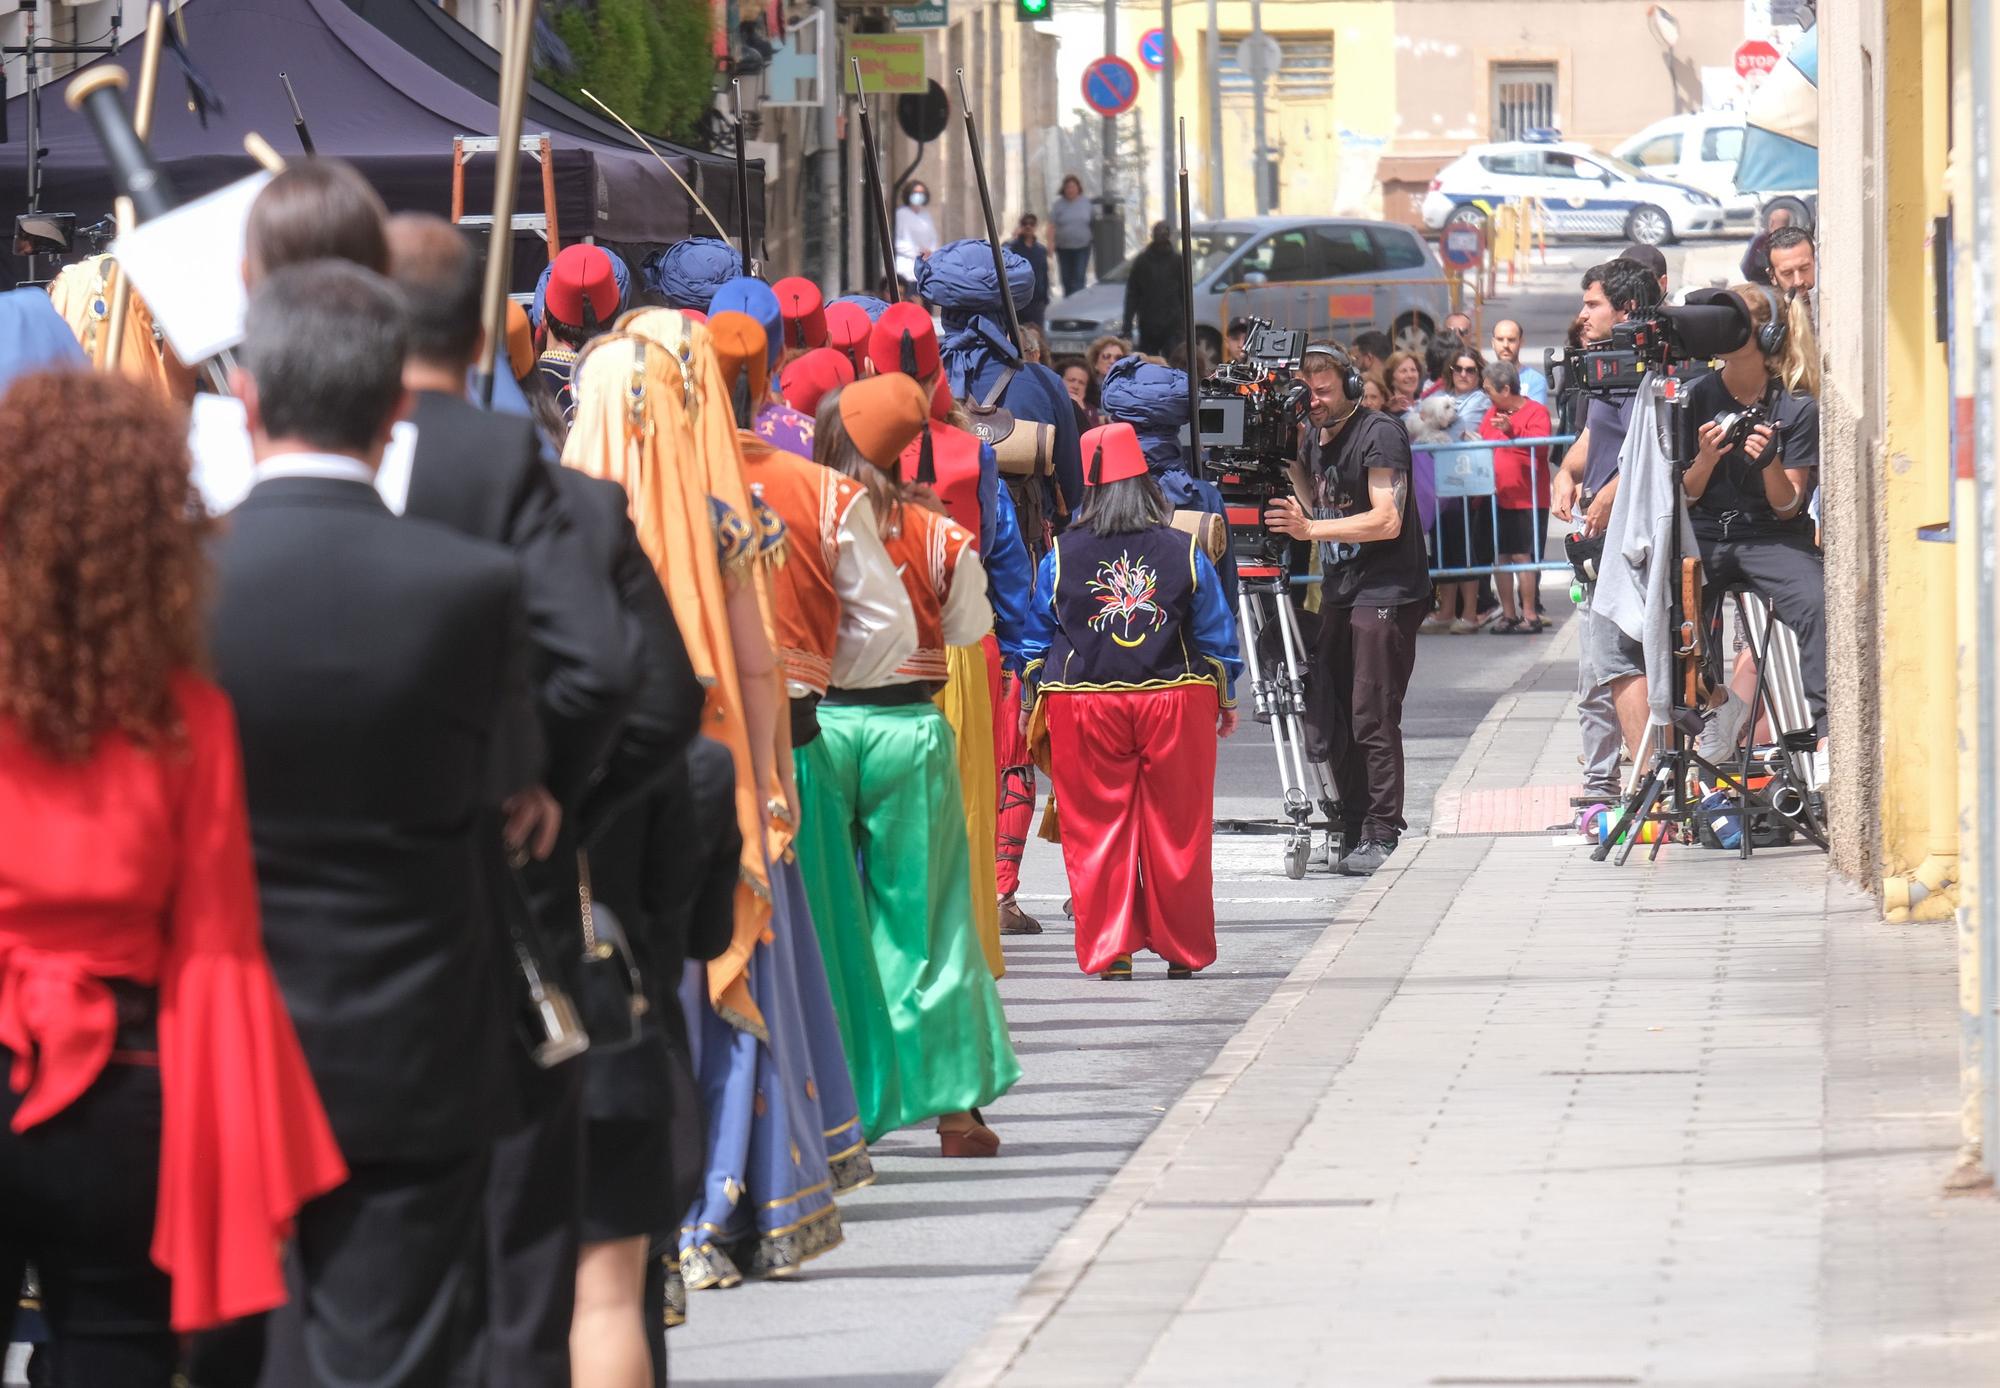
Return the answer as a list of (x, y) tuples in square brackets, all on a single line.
[(1801, 214), (1465, 215), (1412, 332), (1649, 226)]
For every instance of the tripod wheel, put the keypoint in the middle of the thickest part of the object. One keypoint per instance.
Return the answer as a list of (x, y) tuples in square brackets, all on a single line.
[(1297, 853)]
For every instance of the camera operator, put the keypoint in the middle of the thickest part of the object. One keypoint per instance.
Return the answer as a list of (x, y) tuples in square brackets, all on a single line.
[(1611, 705), (1355, 499), (1752, 475)]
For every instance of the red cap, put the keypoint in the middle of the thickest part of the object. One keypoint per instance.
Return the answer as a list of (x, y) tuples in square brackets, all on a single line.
[(806, 381), (1111, 453), (581, 276), (847, 329), (904, 339), (941, 401), (693, 315), (804, 311)]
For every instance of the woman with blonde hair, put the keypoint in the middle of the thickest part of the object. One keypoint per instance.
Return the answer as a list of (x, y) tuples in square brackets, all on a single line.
[(1105, 354), (1749, 485)]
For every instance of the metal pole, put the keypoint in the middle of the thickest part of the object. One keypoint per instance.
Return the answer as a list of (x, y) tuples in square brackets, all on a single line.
[(878, 198), (1986, 639), (1262, 148), (1215, 203), (1168, 76), (826, 171), (742, 179), (1108, 156), (506, 176)]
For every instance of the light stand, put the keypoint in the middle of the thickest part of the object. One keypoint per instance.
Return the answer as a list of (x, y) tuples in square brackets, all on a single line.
[(33, 106)]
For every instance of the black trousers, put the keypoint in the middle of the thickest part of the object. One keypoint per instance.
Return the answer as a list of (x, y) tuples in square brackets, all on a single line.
[(1789, 574), (534, 1216), (385, 1286), (77, 1195), (1360, 672)]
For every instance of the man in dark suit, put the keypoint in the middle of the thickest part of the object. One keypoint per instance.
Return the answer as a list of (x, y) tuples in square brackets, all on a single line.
[(481, 474), (380, 670)]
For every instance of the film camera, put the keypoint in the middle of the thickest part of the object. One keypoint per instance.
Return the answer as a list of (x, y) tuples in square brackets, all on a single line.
[(1250, 407), (1666, 342)]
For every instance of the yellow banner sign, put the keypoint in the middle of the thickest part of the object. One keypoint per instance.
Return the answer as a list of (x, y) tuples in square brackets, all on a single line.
[(890, 63)]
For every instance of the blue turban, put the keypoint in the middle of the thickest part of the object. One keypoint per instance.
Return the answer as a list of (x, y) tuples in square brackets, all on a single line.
[(618, 272), (1153, 399), (33, 336), (958, 278), (748, 294), (687, 273), (867, 303)]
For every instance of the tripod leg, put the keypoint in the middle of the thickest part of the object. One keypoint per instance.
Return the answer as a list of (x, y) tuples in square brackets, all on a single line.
[(1654, 787)]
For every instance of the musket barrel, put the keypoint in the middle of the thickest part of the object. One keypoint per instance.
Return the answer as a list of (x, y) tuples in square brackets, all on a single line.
[(133, 170), (986, 206)]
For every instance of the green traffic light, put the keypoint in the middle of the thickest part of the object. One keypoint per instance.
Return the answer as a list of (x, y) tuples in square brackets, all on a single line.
[(1032, 9)]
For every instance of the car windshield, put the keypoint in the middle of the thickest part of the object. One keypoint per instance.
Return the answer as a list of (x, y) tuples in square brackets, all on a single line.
[(1618, 166), (1211, 248)]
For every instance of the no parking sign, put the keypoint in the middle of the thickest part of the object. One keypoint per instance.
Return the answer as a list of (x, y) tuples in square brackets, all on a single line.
[(1110, 86), (1462, 245)]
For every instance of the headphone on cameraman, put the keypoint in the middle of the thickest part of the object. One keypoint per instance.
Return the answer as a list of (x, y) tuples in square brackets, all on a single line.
[(1350, 376), (1771, 337)]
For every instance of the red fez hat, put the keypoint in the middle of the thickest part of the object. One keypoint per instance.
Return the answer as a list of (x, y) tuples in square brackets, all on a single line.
[(741, 350), (693, 315), (847, 329), (941, 401), (904, 339), (1111, 453), (883, 414), (583, 288), (804, 311), (806, 381)]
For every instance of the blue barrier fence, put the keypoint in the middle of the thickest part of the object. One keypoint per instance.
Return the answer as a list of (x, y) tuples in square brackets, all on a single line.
[(1462, 477)]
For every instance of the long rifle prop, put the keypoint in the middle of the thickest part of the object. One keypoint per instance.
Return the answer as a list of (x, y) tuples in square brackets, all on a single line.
[(1190, 342), (142, 121), (742, 179), (878, 199), (986, 205), (298, 118), (506, 176), (647, 145)]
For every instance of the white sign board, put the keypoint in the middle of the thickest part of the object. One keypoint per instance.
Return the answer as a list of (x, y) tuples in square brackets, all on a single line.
[(188, 266)]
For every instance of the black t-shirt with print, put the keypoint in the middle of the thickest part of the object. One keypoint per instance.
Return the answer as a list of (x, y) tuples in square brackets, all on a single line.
[(1380, 573)]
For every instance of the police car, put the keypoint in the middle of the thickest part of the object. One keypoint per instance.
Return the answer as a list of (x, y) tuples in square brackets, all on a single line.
[(1583, 191)]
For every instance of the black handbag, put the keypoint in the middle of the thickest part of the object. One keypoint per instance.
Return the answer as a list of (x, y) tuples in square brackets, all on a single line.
[(610, 994)]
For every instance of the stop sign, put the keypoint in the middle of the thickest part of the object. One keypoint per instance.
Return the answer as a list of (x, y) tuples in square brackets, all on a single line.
[(1755, 58)]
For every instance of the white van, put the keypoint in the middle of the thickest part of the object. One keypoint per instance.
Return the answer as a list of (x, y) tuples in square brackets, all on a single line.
[(1699, 150)]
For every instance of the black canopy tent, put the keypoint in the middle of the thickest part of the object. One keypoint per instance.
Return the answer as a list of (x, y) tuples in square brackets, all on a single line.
[(369, 100)]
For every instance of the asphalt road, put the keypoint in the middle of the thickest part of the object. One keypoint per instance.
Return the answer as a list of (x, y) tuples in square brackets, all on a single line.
[(938, 1248)]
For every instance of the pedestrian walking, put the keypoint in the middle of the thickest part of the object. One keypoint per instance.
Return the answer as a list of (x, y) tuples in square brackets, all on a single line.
[(1133, 657), (883, 848), (1070, 229), (1027, 244), (1155, 300), (161, 1129), (916, 233)]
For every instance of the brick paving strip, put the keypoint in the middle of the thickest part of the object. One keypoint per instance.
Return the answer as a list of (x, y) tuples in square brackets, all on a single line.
[(1518, 1118)]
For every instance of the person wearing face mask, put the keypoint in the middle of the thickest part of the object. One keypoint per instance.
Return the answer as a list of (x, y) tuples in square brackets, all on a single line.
[(916, 233)]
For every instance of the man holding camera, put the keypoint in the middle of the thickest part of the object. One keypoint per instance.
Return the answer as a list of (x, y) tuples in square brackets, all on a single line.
[(1356, 500), (1611, 669)]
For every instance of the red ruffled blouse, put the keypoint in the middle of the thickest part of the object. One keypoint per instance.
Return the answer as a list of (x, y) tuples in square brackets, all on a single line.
[(136, 865)]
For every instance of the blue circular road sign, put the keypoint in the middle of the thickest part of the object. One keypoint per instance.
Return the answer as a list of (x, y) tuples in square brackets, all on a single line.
[(1110, 86)]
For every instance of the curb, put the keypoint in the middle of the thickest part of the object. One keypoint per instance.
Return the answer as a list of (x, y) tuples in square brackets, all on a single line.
[(994, 1354)]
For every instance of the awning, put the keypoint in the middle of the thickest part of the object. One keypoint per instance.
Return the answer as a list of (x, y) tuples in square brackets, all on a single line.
[(1781, 128)]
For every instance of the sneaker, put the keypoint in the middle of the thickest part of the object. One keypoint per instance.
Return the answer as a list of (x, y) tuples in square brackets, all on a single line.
[(1015, 921), (1722, 730), (1367, 856), (1461, 627), (1434, 626)]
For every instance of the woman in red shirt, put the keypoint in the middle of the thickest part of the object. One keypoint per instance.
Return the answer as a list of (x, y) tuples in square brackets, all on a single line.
[(1521, 491), (158, 1128)]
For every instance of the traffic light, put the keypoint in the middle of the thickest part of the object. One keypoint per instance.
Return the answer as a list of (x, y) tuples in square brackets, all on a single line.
[(1028, 11)]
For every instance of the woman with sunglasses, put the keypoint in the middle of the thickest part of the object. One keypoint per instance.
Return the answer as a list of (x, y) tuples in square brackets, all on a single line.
[(1465, 526)]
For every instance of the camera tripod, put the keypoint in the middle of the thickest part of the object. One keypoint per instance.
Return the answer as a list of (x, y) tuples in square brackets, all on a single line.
[(1277, 693)]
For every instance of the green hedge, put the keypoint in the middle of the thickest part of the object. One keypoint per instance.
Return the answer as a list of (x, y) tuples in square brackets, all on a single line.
[(651, 60)]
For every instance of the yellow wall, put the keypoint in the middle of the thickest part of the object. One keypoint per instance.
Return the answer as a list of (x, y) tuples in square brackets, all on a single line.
[(1918, 655)]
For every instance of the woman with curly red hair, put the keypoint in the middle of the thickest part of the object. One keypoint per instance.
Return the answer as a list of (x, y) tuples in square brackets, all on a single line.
[(158, 1127)]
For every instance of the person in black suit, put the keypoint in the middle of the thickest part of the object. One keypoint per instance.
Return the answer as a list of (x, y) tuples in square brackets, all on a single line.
[(482, 475), (381, 673)]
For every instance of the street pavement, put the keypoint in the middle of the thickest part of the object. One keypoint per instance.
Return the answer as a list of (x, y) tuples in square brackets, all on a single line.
[(937, 1249), (1520, 1118)]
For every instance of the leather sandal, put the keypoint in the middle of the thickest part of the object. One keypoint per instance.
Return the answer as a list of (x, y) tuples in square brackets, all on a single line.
[(1015, 921), (975, 1141), (1121, 969)]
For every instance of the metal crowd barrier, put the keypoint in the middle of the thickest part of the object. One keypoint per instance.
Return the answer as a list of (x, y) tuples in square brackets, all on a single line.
[(1462, 474)]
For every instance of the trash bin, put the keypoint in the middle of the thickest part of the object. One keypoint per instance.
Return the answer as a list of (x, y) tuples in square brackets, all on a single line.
[(1108, 235)]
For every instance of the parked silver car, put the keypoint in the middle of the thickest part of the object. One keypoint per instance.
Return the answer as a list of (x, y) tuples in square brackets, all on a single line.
[(1288, 270)]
